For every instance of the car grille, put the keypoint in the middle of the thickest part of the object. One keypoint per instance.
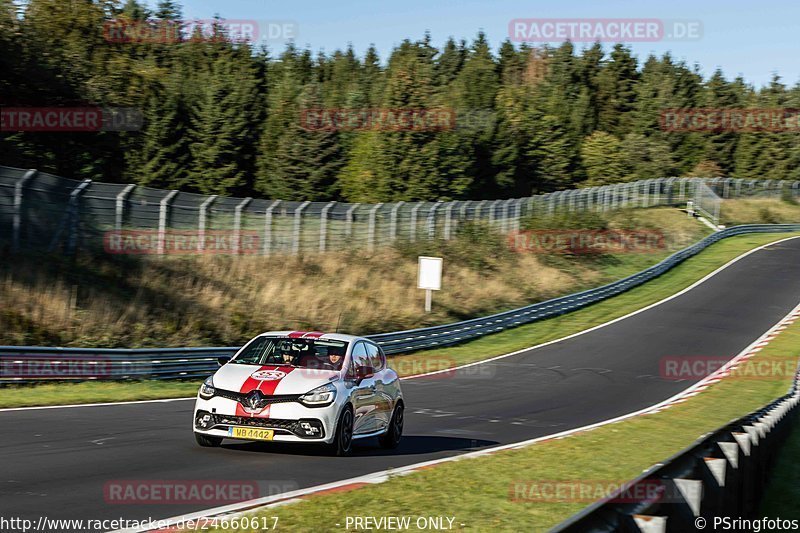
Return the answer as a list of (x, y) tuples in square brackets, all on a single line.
[(267, 399)]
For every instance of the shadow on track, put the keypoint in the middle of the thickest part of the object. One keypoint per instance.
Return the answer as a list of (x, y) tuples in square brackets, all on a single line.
[(410, 445)]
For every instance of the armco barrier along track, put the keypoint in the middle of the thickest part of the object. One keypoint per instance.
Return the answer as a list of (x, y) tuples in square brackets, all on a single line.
[(181, 363)]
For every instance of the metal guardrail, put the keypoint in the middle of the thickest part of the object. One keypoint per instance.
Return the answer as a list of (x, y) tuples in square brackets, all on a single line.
[(180, 363), (723, 474)]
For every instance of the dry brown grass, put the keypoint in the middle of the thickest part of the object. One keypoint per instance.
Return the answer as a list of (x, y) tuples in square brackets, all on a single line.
[(759, 210), (192, 301)]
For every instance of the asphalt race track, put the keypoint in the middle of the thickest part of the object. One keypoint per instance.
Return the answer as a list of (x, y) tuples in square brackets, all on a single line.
[(56, 462)]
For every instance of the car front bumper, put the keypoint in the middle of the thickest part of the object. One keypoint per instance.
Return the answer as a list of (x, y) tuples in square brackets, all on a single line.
[(291, 422)]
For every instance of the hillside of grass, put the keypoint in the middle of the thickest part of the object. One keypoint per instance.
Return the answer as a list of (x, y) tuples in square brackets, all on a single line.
[(113, 301)]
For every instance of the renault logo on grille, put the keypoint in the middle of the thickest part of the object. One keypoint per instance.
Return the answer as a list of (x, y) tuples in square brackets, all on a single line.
[(254, 399)]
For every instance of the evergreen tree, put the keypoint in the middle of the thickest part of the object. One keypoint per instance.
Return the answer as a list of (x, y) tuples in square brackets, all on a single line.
[(603, 159)]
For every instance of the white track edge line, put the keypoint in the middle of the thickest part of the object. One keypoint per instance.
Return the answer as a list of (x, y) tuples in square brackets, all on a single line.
[(496, 358)]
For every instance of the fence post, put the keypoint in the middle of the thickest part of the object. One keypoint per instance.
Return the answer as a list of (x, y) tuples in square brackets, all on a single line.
[(506, 214), (493, 212), (349, 217), (163, 215), (371, 227), (75, 201), (201, 223), (412, 231), (17, 223), (393, 221), (237, 225), (298, 225), (448, 218), (431, 222), (122, 197), (518, 213), (323, 225), (268, 227)]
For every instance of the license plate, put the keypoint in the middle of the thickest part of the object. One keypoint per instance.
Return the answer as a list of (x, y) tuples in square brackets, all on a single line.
[(251, 433)]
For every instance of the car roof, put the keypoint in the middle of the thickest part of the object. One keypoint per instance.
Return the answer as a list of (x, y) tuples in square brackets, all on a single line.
[(312, 335)]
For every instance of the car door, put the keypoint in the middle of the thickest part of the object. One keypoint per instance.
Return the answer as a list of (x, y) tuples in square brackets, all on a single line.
[(363, 395), (383, 398)]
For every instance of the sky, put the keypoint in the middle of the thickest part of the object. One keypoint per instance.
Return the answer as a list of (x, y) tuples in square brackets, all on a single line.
[(747, 38)]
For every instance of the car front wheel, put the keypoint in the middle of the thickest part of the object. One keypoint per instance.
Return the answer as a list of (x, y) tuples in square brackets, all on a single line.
[(343, 442), (391, 438)]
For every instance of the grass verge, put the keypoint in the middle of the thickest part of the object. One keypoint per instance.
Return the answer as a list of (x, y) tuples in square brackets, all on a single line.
[(478, 492), (671, 282)]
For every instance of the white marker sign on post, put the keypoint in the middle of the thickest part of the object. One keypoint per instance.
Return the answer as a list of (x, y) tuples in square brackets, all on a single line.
[(429, 277)]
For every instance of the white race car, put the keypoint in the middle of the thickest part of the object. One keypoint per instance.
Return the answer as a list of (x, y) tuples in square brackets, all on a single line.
[(302, 387)]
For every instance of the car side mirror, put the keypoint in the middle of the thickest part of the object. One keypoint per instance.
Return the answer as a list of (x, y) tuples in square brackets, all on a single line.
[(364, 372), (223, 360)]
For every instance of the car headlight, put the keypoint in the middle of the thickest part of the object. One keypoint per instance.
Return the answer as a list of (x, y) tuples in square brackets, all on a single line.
[(320, 396), (207, 388)]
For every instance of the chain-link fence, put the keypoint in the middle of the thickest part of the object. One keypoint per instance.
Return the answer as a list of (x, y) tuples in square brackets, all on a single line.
[(42, 211)]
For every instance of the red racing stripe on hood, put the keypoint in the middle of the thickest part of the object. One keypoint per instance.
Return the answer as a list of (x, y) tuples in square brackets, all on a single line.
[(265, 386)]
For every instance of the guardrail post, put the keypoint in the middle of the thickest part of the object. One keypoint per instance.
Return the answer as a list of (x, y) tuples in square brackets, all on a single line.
[(412, 231), (163, 215), (268, 227), (298, 226), (201, 222), (237, 225), (323, 225), (17, 222), (393, 221), (122, 197), (371, 227)]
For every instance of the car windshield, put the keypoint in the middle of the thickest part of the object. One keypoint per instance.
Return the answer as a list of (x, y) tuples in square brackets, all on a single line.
[(321, 354)]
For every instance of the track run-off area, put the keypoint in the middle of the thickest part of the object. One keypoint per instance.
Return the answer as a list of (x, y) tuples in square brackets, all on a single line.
[(60, 462)]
